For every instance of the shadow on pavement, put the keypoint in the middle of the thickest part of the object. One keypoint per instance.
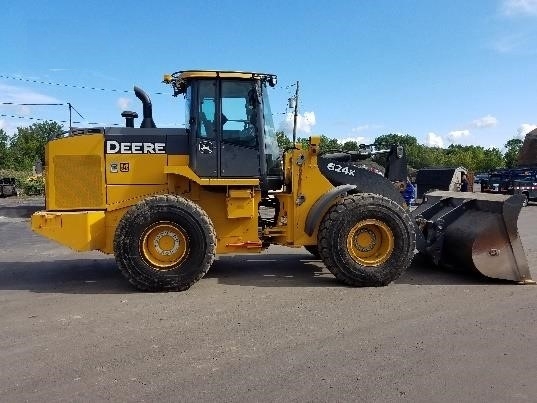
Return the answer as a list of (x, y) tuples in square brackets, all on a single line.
[(425, 273), (272, 270), (20, 211), (296, 270), (101, 276), (75, 276)]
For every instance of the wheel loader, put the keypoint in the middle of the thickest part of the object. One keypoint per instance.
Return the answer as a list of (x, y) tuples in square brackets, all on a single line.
[(165, 201)]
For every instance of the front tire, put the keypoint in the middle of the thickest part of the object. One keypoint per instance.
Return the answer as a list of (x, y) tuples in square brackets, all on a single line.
[(164, 243), (366, 240)]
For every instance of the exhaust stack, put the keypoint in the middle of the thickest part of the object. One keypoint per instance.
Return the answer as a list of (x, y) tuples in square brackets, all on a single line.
[(129, 118), (147, 120)]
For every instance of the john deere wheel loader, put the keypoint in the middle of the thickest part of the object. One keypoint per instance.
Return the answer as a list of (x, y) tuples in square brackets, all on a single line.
[(166, 201)]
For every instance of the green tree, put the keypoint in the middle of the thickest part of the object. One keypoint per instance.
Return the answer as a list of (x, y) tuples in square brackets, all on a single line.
[(429, 157), (303, 141), (513, 147), (5, 155), (409, 143), (350, 146), (28, 144), (283, 141), (328, 144), (473, 158), (387, 140), (492, 159)]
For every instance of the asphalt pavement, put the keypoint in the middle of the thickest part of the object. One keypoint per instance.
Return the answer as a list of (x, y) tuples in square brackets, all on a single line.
[(270, 327)]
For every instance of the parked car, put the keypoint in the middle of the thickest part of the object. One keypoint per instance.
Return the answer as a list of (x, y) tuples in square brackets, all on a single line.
[(479, 177), (513, 181), (7, 187)]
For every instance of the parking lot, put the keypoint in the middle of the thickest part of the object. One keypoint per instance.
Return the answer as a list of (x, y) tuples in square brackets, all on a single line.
[(270, 327)]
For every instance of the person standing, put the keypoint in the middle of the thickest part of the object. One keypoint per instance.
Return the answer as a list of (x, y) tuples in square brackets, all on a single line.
[(464, 183), (409, 193)]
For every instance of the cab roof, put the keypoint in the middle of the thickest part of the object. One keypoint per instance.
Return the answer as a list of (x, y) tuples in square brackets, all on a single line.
[(179, 80), (186, 74)]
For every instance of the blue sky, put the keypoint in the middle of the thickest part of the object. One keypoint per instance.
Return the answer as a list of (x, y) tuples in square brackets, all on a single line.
[(443, 71)]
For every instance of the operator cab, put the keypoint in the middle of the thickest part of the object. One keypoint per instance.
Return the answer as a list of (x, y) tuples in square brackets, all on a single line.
[(229, 124)]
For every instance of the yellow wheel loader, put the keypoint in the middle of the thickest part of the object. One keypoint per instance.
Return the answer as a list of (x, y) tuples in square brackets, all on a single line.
[(166, 201)]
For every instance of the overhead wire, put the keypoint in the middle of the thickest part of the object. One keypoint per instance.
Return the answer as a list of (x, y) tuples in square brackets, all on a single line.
[(28, 104), (85, 87), (69, 104), (29, 118), (59, 121)]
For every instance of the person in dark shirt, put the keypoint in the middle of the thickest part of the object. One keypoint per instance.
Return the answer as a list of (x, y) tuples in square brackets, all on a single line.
[(464, 183), (409, 193)]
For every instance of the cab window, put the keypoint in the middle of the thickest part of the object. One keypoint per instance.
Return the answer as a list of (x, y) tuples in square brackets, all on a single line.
[(239, 114), (207, 109)]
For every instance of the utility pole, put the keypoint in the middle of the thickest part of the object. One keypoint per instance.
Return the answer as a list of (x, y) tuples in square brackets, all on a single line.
[(72, 108), (296, 115)]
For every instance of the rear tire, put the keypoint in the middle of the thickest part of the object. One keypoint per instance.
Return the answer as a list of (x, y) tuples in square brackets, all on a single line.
[(164, 243), (366, 240)]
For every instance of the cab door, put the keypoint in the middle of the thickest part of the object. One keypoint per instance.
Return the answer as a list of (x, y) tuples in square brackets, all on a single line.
[(203, 127), (239, 141)]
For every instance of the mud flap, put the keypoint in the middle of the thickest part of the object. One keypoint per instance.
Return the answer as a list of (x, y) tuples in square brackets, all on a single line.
[(475, 231)]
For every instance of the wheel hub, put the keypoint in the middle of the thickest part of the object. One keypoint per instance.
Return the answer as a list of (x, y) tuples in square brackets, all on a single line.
[(365, 240), (164, 245), (370, 242)]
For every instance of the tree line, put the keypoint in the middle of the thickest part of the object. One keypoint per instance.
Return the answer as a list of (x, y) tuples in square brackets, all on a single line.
[(473, 158), (27, 146)]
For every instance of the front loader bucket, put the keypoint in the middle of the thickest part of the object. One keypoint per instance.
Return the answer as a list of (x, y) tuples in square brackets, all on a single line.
[(476, 231)]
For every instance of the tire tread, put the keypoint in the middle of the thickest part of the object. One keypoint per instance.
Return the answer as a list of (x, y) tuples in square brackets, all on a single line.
[(335, 256), (143, 211)]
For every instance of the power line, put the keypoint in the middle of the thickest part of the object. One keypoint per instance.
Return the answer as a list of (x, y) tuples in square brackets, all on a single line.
[(69, 104), (30, 118), (54, 120), (84, 87), (28, 104), (71, 109)]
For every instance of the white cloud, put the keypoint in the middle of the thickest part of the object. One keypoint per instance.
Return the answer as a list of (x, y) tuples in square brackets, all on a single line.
[(365, 127), (24, 110), (518, 42), (457, 134), (304, 123), (504, 45), (485, 122), (359, 140), (519, 7), (124, 103), (434, 140), (8, 127), (524, 129), (19, 95)]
